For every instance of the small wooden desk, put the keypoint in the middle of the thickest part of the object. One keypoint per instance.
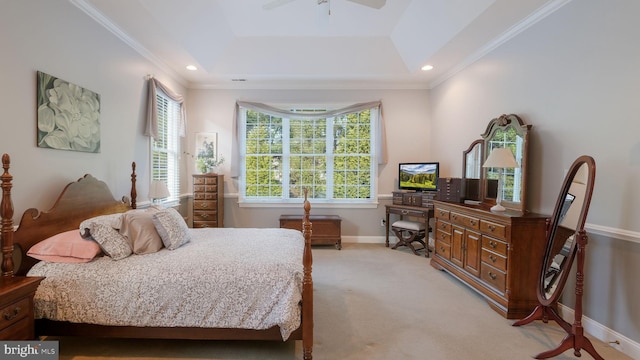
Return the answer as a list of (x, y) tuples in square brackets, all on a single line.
[(422, 213)]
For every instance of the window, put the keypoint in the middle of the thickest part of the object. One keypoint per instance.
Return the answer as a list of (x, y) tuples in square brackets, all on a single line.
[(333, 156), (165, 148)]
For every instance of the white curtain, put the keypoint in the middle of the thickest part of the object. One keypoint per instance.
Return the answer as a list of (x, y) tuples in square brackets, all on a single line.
[(381, 139), (151, 128)]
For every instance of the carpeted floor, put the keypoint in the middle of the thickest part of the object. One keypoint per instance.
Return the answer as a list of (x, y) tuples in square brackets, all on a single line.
[(370, 303)]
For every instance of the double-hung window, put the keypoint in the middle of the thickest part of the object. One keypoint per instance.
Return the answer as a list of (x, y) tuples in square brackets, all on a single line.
[(330, 153), (165, 148)]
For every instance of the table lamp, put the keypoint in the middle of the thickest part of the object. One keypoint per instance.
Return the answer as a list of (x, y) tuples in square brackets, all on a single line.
[(158, 190), (500, 158)]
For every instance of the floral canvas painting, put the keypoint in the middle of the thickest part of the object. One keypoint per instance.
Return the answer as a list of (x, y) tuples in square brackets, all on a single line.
[(207, 159), (68, 115)]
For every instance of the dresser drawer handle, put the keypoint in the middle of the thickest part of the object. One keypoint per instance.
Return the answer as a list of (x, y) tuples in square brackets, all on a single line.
[(493, 244), (441, 249), (8, 316), (455, 217), (493, 258), (492, 228), (443, 225), (204, 216), (441, 213), (442, 236), (472, 222), (404, 212), (204, 205), (492, 275)]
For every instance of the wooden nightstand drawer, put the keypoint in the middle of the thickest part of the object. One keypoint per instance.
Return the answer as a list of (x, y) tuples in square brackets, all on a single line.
[(14, 312), (16, 307)]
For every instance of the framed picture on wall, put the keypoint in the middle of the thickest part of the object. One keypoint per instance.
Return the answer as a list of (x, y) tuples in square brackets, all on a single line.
[(68, 115), (206, 152)]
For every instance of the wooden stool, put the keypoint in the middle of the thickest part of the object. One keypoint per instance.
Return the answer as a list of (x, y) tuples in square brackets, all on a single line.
[(408, 232)]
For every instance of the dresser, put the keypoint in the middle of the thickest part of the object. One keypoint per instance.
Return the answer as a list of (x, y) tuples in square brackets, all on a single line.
[(208, 200), (16, 307), (499, 254)]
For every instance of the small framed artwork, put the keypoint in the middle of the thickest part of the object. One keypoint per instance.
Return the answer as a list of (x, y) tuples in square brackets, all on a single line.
[(207, 152), (68, 115)]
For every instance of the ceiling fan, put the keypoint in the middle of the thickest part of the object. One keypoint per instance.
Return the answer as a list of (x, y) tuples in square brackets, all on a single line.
[(376, 4)]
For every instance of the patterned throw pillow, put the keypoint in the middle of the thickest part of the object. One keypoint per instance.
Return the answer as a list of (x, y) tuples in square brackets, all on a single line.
[(112, 243), (113, 220), (172, 228)]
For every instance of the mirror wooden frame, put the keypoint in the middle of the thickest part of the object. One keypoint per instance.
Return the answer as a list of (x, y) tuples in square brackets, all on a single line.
[(473, 186), (556, 239), (488, 187)]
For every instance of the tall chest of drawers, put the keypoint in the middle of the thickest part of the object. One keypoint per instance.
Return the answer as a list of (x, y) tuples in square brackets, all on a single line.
[(499, 254), (208, 200)]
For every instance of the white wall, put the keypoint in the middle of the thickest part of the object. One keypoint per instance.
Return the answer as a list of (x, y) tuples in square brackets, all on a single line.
[(407, 123), (574, 76), (55, 37)]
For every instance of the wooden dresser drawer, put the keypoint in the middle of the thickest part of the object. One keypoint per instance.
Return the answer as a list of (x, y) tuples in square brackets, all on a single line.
[(444, 226), (497, 230), (464, 220), (495, 260), (441, 214), (204, 224), (443, 250), (14, 312), (494, 277), (494, 245), (205, 205)]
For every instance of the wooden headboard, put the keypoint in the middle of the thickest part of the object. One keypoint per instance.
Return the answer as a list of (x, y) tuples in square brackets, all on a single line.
[(80, 200)]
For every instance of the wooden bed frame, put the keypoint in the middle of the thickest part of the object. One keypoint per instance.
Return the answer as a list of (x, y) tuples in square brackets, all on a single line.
[(90, 197)]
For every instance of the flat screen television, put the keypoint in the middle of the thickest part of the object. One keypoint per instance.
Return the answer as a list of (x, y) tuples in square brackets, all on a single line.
[(418, 176)]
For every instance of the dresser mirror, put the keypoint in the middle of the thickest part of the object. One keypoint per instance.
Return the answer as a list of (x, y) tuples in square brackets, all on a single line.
[(566, 240), (472, 169), (506, 131)]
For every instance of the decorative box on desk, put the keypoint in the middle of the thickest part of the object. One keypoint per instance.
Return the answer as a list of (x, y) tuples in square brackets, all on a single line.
[(208, 200), (325, 229), (451, 190), (412, 198)]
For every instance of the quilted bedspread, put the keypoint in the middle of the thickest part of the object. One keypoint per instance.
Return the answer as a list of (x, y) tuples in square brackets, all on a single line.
[(223, 278)]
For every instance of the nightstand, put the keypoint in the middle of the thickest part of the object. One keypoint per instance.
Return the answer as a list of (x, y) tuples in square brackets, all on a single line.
[(16, 307)]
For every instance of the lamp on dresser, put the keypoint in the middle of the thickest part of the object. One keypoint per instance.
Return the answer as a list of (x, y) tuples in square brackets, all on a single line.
[(158, 190), (500, 158)]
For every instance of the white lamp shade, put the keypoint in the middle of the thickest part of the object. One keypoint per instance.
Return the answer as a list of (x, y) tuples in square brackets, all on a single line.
[(158, 190), (501, 158)]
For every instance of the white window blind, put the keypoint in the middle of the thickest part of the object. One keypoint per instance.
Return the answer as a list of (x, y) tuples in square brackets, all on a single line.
[(165, 148)]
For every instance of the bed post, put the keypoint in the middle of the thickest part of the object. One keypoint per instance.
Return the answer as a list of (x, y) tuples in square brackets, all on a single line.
[(6, 209), (307, 284), (134, 193)]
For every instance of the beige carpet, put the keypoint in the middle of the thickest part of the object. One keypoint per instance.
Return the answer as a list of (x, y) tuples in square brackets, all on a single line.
[(371, 302)]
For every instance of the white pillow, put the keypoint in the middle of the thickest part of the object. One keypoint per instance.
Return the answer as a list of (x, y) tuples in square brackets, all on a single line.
[(172, 228)]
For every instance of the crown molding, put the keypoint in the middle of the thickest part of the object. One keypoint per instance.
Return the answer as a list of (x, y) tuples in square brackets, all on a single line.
[(544, 11), (105, 22)]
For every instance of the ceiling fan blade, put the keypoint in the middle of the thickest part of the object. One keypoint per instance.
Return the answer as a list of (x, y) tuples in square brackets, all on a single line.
[(275, 3), (376, 4)]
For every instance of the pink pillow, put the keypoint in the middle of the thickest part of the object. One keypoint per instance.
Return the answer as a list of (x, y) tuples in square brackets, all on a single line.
[(66, 247)]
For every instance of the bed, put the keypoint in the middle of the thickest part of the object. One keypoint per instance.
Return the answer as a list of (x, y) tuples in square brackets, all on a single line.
[(224, 300)]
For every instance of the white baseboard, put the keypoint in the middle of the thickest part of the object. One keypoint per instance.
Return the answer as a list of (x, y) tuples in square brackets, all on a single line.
[(603, 333), (592, 327)]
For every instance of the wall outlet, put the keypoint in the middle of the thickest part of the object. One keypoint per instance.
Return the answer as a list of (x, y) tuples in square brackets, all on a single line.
[(383, 222)]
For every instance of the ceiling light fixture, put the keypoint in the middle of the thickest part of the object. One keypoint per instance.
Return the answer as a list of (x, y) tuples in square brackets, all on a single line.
[(192, 68), (427, 67)]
